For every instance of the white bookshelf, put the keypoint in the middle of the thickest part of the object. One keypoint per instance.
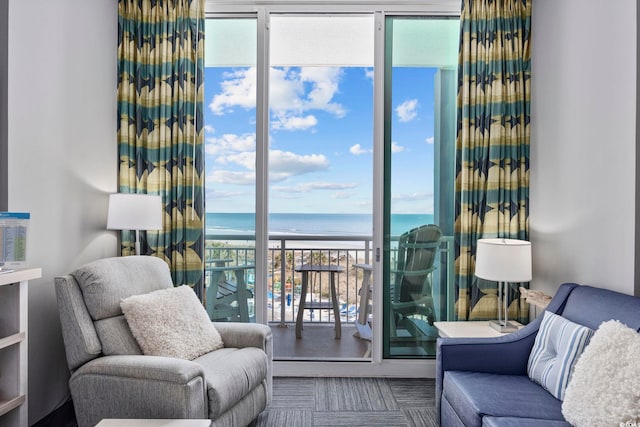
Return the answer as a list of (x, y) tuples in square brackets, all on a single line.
[(13, 346)]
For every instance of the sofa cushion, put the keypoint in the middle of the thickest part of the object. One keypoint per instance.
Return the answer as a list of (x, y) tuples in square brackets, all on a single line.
[(521, 422), (473, 395), (105, 282), (171, 322), (605, 386), (558, 345), (231, 374)]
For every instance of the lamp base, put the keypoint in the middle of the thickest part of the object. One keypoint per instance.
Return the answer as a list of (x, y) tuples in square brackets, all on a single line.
[(503, 327)]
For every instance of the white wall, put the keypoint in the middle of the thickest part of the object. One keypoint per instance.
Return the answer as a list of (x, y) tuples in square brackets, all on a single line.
[(62, 159), (583, 143)]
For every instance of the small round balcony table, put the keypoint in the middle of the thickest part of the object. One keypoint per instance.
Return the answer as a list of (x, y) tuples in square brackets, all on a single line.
[(313, 305)]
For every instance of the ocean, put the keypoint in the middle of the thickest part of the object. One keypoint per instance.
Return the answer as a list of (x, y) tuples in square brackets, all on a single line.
[(333, 224)]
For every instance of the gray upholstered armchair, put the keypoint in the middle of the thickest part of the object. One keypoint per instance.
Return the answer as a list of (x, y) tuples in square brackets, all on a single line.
[(111, 378)]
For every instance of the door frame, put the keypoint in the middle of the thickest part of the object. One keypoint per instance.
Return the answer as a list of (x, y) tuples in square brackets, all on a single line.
[(262, 10)]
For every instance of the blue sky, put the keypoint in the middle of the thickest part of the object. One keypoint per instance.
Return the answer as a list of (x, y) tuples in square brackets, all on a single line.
[(321, 139)]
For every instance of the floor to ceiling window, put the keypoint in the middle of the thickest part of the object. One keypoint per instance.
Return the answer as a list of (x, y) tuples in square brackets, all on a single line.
[(230, 152), (317, 140)]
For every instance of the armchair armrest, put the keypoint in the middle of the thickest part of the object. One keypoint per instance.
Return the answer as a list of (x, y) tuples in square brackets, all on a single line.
[(507, 354), (240, 335), (138, 387)]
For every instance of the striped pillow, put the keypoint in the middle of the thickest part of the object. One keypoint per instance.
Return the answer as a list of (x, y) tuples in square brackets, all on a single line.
[(557, 347)]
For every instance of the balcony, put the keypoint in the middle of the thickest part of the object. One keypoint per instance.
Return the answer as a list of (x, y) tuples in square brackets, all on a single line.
[(284, 288)]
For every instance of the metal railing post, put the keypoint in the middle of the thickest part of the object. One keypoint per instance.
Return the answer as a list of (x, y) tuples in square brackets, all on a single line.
[(283, 281)]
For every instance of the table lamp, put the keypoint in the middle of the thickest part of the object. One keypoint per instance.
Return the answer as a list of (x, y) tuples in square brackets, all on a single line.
[(504, 261), (134, 212)]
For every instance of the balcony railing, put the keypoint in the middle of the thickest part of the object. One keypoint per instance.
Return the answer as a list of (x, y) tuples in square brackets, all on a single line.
[(284, 283)]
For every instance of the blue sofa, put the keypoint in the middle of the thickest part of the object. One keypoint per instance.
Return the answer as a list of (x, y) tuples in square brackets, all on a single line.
[(484, 382)]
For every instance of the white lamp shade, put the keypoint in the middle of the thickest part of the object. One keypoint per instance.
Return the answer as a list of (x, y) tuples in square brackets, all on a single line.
[(134, 212), (503, 260)]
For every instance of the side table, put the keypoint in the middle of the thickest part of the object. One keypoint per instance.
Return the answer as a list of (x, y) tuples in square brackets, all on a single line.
[(304, 305), (469, 329)]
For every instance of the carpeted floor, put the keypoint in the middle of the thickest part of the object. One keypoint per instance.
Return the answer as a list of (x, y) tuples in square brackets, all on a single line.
[(320, 402)]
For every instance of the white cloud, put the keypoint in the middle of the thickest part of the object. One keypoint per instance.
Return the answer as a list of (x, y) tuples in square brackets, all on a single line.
[(358, 150), (329, 185), (232, 177), (286, 196), (289, 100), (288, 163), (240, 151), (407, 111), (286, 91), (246, 159), (209, 129), (341, 195), (230, 143), (412, 197), (294, 123), (238, 89), (396, 148), (310, 186), (216, 194), (324, 85), (278, 176), (430, 140), (292, 92), (368, 73)]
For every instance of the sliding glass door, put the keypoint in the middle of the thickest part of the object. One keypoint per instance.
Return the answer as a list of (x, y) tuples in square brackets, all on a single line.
[(419, 142), (320, 180), (298, 122)]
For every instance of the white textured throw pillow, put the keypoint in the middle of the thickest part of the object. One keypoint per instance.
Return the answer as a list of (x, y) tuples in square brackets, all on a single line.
[(605, 387), (171, 322), (557, 347)]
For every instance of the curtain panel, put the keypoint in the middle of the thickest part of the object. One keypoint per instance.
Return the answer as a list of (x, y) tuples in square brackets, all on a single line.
[(160, 122), (492, 143)]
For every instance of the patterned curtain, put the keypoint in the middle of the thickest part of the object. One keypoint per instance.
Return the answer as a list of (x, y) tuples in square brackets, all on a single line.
[(160, 138), (492, 147)]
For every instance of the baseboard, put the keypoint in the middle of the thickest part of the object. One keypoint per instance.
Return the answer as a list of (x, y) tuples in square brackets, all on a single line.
[(64, 416)]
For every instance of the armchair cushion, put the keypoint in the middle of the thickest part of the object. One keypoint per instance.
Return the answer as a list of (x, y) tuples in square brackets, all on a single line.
[(605, 386), (138, 387), (171, 322), (556, 350)]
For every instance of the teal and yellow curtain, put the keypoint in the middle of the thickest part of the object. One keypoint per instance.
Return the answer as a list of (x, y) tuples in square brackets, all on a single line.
[(492, 146), (160, 122)]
